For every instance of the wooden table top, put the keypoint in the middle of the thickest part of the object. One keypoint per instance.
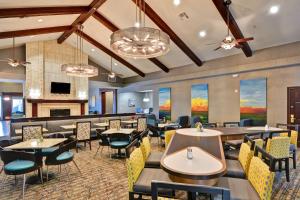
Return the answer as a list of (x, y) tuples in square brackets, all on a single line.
[(102, 124), (36, 144), (127, 131), (167, 125), (129, 121), (245, 130), (195, 132), (67, 127), (19, 131)]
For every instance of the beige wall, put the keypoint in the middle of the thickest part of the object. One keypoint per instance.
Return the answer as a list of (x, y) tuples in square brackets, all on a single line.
[(280, 65), (11, 87)]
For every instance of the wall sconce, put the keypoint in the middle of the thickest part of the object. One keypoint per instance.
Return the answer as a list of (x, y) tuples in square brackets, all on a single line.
[(34, 93), (7, 98), (82, 95)]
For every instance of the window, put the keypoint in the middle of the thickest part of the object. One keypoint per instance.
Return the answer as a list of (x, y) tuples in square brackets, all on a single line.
[(17, 105)]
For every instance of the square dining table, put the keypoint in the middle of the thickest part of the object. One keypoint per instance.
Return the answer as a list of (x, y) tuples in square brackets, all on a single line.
[(126, 131)]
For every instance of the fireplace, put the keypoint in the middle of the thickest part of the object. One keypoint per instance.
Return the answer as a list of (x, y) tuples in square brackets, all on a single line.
[(60, 112)]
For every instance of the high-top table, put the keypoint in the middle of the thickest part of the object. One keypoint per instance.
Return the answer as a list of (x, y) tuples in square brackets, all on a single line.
[(208, 161), (234, 133)]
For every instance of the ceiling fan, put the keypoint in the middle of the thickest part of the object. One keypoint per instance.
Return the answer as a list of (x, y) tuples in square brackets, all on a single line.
[(13, 61), (229, 42), (111, 76)]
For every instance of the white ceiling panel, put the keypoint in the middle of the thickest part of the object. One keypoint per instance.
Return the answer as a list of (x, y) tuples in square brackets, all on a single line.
[(42, 3), (11, 24)]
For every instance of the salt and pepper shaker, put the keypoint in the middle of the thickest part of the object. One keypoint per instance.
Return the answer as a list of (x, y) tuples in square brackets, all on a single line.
[(189, 152)]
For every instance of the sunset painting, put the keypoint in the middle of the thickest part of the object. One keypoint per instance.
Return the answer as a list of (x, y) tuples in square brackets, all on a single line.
[(253, 100), (200, 102), (165, 103)]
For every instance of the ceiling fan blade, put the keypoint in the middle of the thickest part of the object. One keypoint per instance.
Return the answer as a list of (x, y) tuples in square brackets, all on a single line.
[(217, 48), (244, 39)]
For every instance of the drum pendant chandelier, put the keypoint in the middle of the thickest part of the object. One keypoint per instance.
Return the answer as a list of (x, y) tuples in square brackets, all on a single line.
[(140, 42), (78, 68)]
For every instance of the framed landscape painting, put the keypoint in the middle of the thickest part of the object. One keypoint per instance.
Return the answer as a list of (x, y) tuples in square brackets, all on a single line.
[(165, 103), (199, 102), (253, 100)]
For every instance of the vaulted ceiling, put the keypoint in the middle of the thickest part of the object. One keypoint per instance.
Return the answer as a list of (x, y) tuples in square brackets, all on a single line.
[(252, 19)]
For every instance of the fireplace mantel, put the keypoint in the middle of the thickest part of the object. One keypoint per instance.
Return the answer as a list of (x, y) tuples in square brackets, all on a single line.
[(35, 103), (56, 101)]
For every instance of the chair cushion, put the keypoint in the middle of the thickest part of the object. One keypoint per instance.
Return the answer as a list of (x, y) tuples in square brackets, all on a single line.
[(232, 154), (153, 160), (143, 183), (46, 152), (65, 156), (234, 169), (119, 144), (239, 188), (18, 165)]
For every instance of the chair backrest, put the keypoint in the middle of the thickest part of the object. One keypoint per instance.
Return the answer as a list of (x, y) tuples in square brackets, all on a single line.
[(114, 124), (83, 130), (146, 147), (245, 157), (210, 125), (104, 139), (32, 132), (294, 136), (231, 124), (195, 120), (279, 147), (130, 148), (144, 134), (135, 164), (159, 185), (168, 136), (151, 120), (184, 121), (141, 124), (261, 178), (68, 145), (8, 156)]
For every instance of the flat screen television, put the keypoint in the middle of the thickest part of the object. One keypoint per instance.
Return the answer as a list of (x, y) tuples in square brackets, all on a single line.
[(60, 88)]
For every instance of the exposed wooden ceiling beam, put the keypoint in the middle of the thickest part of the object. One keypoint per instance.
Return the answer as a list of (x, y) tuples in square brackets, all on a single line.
[(81, 19), (163, 26), (37, 31), (233, 26), (110, 53), (41, 11), (114, 28)]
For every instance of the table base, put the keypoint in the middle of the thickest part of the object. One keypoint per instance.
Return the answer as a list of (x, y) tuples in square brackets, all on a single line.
[(209, 182)]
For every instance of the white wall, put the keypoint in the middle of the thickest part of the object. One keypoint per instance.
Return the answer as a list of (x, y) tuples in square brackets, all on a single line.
[(138, 97), (280, 65)]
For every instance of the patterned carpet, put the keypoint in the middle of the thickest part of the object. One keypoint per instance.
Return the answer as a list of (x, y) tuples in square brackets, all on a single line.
[(105, 178)]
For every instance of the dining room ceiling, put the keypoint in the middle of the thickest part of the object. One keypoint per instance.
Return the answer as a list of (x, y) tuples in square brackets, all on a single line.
[(252, 17)]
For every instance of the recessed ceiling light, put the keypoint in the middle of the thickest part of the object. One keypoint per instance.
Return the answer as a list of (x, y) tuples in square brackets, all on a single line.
[(115, 64), (40, 20), (236, 91), (137, 24), (92, 49), (32, 36), (202, 33), (274, 9), (235, 75), (176, 2)]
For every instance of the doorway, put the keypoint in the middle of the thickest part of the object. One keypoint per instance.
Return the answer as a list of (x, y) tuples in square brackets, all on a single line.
[(108, 101), (293, 106)]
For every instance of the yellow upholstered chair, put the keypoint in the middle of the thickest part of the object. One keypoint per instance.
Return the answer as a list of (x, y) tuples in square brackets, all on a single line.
[(168, 136), (293, 146), (279, 148), (139, 178), (152, 159), (239, 168), (261, 178)]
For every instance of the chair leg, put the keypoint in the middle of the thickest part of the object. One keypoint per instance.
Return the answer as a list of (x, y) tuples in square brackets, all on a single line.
[(131, 196), (47, 173), (41, 175), (97, 151), (294, 159), (76, 166), (24, 183), (280, 165), (90, 145), (16, 181), (67, 172), (287, 169), (76, 147)]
